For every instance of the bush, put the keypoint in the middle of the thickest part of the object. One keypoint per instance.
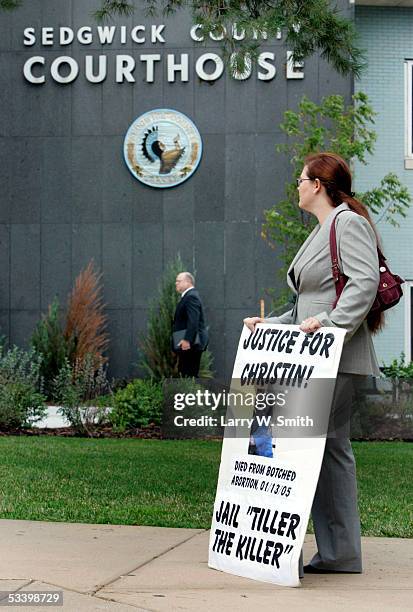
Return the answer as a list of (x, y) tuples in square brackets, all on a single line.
[(384, 411), (49, 341), (172, 389), (86, 321), (157, 358), (401, 375), (102, 401), (81, 333), (381, 419), (75, 388), (138, 405), (21, 398)]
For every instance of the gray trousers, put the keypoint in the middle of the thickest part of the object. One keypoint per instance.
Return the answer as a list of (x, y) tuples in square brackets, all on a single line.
[(334, 512)]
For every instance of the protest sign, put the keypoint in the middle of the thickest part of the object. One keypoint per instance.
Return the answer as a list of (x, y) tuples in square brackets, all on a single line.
[(272, 450)]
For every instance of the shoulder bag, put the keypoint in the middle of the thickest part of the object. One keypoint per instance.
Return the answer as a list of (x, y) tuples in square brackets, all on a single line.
[(389, 290)]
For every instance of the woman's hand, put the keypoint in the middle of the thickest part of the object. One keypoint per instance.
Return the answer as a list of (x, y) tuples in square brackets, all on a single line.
[(251, 322), (310, 325)]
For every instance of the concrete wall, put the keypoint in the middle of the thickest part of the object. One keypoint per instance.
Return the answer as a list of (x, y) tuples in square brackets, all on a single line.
[(386, 35), (67, 195)]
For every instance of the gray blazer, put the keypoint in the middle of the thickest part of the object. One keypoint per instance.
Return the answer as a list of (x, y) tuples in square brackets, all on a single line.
[(310, 278)]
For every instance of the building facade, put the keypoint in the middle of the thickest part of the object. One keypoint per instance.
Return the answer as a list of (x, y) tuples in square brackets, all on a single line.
[(385, 30), (68, 196)]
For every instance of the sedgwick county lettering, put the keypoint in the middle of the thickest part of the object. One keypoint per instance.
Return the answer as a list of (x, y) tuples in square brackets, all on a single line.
[(210, 421), (209, 66)]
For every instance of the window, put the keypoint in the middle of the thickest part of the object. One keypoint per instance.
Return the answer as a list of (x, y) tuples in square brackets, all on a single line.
[(408, 321), (408, 104)]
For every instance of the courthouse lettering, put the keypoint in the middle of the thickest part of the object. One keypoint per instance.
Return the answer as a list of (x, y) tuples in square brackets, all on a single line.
[(147, 67)]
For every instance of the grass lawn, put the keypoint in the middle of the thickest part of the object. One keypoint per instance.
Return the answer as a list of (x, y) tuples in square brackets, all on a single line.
[(385, 485), (169, 483)]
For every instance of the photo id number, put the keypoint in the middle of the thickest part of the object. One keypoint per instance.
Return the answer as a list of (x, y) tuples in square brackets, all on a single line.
[(31, 598)]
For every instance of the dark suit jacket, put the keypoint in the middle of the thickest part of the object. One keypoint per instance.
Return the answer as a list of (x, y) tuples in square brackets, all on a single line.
[(189, 315)]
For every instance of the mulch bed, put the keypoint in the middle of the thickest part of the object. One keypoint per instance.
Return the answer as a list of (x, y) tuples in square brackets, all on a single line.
[(153, 431), (382, 432)]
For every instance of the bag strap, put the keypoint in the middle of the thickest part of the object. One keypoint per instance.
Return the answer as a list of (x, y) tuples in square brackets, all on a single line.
[(382, 258), (333, 248)]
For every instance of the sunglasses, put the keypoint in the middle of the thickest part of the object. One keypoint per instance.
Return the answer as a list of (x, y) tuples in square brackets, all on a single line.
[(300, 180)]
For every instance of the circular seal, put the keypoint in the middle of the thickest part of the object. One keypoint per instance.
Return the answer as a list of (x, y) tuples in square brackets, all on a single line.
[(162, 148)]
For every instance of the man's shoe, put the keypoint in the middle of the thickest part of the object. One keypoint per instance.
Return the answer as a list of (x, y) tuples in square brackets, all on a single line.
[(310, 569)]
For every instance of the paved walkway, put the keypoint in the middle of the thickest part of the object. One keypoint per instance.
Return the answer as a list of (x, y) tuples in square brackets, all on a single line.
[(124, 568)]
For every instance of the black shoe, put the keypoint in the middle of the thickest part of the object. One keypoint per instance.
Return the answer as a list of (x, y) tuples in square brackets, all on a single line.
[(310, 569)]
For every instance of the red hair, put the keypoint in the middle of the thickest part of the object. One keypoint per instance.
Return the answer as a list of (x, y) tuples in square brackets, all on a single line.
[(333, 172)]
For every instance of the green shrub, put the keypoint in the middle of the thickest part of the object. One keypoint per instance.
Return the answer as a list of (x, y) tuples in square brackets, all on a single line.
[(21, 398), (401, 375), (381, 419), (102, 401), (49, 341), (138, 405), (81, 333), (157, 358), (176, 402), (78, 386)]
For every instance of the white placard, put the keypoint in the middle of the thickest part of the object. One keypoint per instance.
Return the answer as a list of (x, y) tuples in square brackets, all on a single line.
[(263, 503)]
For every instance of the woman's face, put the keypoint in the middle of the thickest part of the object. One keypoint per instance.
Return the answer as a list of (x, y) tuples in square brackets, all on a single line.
[(305, 191)]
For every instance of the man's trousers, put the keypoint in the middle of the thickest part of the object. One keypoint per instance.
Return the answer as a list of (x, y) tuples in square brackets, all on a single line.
[(189, 362)]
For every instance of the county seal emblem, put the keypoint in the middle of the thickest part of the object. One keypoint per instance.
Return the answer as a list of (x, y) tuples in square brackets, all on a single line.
[(162, 148)]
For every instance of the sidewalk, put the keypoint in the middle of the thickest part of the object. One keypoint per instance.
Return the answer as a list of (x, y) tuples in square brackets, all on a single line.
[(125, 568)]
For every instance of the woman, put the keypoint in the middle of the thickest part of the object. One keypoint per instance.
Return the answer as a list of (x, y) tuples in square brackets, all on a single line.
[(324, 189)]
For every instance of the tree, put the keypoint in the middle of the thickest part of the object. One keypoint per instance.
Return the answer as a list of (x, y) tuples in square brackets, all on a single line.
[(49, 342), (347, 131), (157, 358), (314, 25), (9, 5)]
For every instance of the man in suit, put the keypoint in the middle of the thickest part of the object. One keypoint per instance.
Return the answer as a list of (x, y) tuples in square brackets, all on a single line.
[(189, 316)]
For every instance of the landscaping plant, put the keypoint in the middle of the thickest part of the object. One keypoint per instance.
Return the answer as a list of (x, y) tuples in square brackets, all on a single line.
[(157, 358), (49, 341), (86, 321), (81, 333), (401, 375), (139, 404), (21, 400), (75, 388)]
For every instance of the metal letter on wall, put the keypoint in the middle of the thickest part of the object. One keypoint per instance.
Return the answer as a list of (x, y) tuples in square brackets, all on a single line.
[(162, 148)]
